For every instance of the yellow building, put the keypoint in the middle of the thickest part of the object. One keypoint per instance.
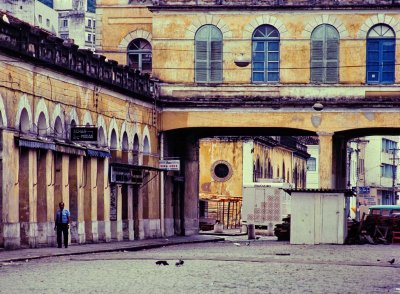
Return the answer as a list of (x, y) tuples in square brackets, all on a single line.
[(300, 67), (49, 93), (228, 163)]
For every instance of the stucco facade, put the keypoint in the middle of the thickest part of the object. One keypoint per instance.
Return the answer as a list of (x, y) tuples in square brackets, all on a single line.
[(41, 98)]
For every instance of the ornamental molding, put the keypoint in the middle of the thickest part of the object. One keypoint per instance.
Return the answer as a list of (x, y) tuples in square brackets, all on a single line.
[(265, 20), (208, 20), (325, 19), (378, 19)]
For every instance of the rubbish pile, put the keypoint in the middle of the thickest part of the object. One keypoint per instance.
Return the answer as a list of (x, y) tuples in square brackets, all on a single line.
[(373, 229)]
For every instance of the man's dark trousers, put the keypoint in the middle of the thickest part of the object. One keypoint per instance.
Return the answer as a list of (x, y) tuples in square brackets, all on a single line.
[(62, 229)]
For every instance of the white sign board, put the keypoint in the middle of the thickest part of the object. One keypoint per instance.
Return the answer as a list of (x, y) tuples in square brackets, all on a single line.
[(170, 165)]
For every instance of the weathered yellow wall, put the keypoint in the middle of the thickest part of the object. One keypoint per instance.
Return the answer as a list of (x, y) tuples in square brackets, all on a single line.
[(117, 23), (173, 44), (28, 87), (212, 150)]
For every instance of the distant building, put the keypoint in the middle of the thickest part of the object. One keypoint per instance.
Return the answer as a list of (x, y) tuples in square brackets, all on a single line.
[(36, 13), (377, 170), (227, 163), (312, 175), (77, 22), (70, 20)]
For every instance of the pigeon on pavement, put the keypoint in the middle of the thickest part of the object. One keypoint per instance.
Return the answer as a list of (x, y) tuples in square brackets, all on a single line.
[(179, 262), (391, 261), (162, 262)]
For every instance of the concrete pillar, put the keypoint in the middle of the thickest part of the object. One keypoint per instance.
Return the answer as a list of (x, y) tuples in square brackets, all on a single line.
[(191, 189), (50, 181), (90, 200), (138, 211), (116, 224), (10, 215), (73, 195), (81, 200), (103, 208), (326, 174), (131, 224), (32, 187)]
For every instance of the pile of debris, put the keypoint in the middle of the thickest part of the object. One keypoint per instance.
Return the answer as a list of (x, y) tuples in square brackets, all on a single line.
[(373, 229)]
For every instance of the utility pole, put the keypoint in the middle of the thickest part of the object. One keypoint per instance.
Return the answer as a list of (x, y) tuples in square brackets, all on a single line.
[(358, 170), (394, 173)]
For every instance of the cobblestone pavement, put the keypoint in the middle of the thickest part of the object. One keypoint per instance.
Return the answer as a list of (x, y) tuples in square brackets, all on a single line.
[(235, 265)]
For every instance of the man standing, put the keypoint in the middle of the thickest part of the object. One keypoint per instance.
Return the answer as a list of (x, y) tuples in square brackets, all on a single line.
[(62, 224)]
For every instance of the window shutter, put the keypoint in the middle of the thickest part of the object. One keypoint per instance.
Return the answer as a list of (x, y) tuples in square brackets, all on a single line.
[(332, 62), (216, 61), (373, 71), (317, 61), (201, 61), (388, 61)]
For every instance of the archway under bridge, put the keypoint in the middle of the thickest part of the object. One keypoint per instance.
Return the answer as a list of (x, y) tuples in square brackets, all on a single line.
[(181, 190)]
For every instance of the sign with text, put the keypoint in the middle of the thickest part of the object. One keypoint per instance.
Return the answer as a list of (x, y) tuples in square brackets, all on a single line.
[(83, 134), (125, 175), (170, 165)]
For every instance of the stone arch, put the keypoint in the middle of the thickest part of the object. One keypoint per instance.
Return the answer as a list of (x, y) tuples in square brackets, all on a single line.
[(113, 138), (102, 129), (58, 128), (24, 108), (41, 124), (42, 118), (125, 142), (325, 19), (146, 144), (87, 119), (58, 121), (136, 34), (264, 20), (380, 18), (3, 113), (208, 19), (73, 116)]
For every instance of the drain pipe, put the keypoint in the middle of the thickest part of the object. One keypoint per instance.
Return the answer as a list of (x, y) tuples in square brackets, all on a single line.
[(162, 195)]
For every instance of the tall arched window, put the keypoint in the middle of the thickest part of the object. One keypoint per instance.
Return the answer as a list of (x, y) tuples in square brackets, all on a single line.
[(139, 55), (380, 55), (325, 54), (265, 60), (208, 55)]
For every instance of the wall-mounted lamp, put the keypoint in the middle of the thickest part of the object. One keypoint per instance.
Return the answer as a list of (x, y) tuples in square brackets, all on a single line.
[(318, 106), (242, 61)]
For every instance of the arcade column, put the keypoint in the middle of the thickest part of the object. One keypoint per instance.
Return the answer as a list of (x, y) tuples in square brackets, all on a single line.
[(326, 174), (10, 192)]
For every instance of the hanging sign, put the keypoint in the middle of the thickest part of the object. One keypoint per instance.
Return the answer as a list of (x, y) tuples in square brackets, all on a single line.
[(83, 134), (125, 175), (169, 165)]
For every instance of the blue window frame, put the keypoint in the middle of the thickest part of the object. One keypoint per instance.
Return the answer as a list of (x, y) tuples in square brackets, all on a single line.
[(265, 57), (381, 55)]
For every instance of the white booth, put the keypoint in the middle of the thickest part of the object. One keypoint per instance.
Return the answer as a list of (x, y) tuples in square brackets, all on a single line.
[(318, 216)]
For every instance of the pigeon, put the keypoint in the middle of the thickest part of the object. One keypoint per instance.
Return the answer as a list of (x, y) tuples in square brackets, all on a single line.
[(179, 262), (162, 262), (248, 243), (391, 261), (237, 244), (257, 238)]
